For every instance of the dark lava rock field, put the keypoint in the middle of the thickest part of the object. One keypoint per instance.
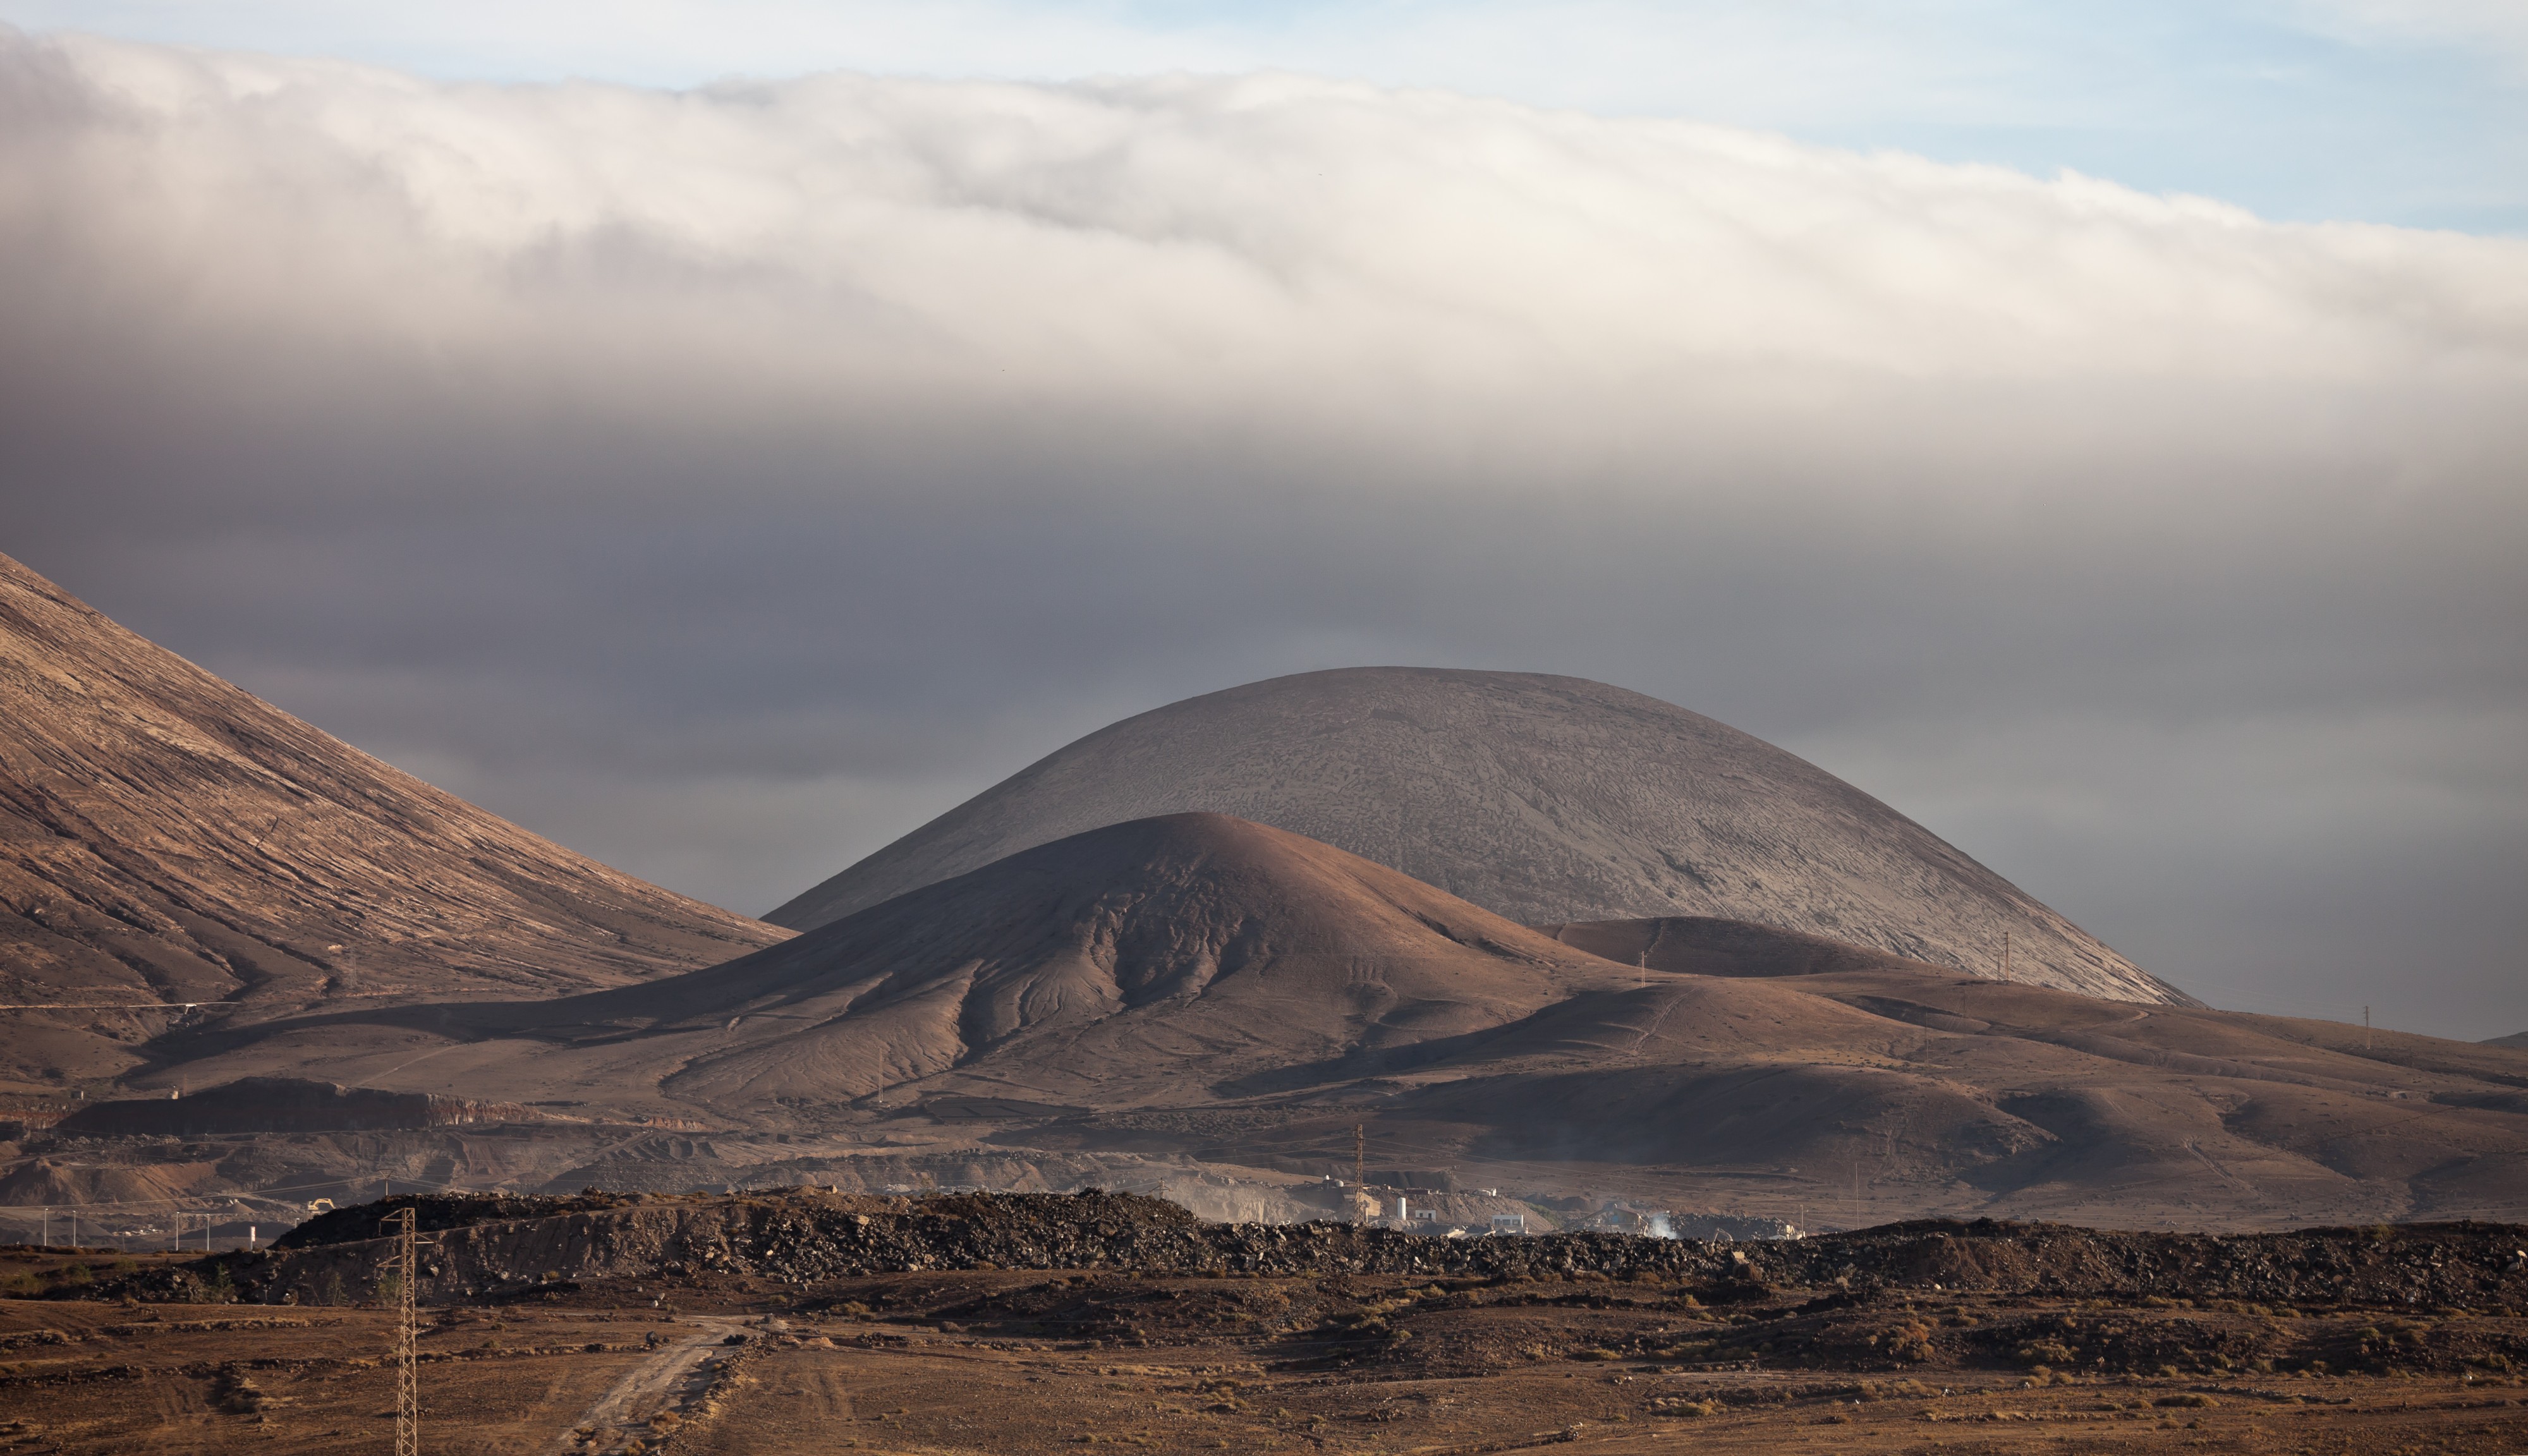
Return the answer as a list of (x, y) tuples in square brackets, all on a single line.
[(494, 1244)]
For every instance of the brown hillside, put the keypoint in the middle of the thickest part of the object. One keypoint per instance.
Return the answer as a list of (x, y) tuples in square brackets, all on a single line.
[(1198, 986), (1958, 1095), (1150, 963), (167, 838), (1704, 945)]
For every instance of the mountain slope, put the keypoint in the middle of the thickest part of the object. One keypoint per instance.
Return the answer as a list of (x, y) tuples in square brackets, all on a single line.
[(1199, 986), (1542, 798), (1144, 961), (1704, 945), (1150, 962), (167, 838)]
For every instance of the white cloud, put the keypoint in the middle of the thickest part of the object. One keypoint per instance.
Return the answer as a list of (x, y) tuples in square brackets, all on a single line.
[(1226, 242), (2382, 110)]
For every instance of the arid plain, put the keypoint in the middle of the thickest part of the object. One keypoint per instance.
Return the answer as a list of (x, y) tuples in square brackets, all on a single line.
[(754, 1325)]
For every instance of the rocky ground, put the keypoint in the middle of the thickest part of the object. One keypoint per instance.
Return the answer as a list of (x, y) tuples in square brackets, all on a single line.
[(814, 1322), (491, 1243)]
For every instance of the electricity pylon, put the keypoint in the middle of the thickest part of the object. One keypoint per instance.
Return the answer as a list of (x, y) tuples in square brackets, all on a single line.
[(406, 1263)]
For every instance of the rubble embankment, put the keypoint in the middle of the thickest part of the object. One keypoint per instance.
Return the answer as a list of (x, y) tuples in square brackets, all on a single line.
[(261, 1105), (484, 1245)]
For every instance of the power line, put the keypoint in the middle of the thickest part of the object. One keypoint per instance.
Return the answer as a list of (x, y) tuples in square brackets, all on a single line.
[(258, 1196), (185, 1006), (109, 1006)]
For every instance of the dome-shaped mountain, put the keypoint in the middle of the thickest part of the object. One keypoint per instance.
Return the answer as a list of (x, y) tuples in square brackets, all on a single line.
[(1546, 800)]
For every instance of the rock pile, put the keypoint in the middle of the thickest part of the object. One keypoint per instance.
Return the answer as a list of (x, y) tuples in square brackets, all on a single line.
[(2415, 1264), (439, 1212), (491, 1243)]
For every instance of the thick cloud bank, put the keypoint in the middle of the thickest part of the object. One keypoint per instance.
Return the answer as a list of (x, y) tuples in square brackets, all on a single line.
[(723, 480)]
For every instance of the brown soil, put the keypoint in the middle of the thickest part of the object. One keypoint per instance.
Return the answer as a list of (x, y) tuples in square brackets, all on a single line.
[(111, 1378), (1027, 1361)]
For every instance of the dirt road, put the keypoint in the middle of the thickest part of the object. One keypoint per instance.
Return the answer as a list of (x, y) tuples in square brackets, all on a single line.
[(664, 1384)]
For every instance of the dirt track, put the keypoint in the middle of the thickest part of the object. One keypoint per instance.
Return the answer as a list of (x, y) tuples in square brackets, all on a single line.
[(672, 1381)]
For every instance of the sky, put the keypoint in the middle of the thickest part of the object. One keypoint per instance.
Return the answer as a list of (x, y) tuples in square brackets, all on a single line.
[(722, 437), (2411, 112)]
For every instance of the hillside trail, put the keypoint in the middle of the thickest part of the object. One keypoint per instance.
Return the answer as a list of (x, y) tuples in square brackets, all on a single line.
[(678, 1373)]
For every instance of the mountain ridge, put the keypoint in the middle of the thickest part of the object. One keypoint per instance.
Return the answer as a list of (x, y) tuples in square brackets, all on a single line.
[(168, 840)]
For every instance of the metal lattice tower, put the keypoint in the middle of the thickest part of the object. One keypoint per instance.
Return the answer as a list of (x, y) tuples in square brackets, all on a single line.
[(1364, 1210), (408, 1266)]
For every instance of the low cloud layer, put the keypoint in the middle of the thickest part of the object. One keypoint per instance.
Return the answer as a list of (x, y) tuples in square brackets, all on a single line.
[(724, 480), (2393, 111)]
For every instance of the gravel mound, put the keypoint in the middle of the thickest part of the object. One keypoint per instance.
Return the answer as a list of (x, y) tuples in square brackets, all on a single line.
[(489, 1244), (437, 1212)]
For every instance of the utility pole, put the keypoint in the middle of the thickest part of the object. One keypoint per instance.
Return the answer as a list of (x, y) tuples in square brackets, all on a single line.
[(406, 1265), (2005, 955), (1359, 1158), (2365, 1028)]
